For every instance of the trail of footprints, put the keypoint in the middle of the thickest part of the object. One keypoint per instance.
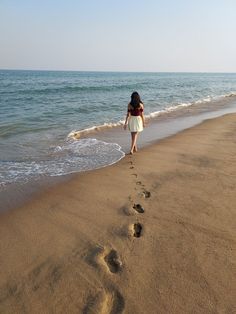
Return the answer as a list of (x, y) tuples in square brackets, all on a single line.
[(112, 301)]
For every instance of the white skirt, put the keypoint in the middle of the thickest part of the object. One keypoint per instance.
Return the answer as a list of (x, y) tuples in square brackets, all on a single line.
[(135, 124)]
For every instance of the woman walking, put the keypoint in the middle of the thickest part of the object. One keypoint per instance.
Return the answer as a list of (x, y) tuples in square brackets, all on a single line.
[(135, 119)]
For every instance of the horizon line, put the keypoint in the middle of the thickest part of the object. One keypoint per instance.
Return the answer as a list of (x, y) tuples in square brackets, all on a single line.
[(116, 71)]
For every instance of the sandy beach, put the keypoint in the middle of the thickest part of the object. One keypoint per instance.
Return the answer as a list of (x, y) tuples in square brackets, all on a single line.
[(154, 233)]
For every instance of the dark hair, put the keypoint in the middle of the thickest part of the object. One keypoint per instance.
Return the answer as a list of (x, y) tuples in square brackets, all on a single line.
[(135, 100)]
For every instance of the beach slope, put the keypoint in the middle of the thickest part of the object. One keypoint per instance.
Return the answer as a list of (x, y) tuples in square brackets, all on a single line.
[(154, 233)]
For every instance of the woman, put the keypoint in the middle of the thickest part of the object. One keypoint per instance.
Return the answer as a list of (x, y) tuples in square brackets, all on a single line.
[(135, 119)]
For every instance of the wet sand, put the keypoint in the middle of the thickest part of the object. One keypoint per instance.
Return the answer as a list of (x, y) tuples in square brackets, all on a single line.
[(154, 233)]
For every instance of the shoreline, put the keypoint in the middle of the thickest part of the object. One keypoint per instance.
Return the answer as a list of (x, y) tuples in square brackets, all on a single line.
[(52, 159), (160, 127), (80, 246)]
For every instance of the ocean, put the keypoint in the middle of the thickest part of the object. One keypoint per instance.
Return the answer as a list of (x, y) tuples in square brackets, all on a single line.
[(51, 121)]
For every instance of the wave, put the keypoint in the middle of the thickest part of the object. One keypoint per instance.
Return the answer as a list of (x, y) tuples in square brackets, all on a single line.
[(230, 95), (72, 156), (81, 133), (7, 131), (68, 89), (77, 134)]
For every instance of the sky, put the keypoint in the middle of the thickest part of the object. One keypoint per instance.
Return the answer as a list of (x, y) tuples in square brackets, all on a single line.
[(118, 35)]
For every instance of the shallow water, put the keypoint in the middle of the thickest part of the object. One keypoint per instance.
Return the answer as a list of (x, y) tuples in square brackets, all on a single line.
[(40, 111)]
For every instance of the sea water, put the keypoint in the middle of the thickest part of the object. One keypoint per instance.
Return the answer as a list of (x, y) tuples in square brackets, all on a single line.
[(44, 115)]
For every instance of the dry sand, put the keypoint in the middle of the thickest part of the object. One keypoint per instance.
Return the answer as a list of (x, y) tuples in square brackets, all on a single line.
[(73, 249)]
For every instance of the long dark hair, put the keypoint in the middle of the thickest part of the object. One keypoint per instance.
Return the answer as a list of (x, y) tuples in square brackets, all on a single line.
[(135, 100)]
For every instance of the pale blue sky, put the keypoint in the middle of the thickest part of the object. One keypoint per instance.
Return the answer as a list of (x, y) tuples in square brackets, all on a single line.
[(121, 35)]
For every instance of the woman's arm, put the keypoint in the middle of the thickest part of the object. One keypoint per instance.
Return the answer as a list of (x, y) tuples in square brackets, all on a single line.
[(142, 116), (127, 117)]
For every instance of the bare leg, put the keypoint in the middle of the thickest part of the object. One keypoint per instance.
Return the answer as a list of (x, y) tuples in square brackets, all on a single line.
[(134, 136)]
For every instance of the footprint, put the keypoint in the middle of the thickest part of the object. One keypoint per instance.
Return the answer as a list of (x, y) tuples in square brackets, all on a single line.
[(113, 303), (109, 301), (112, 261), (94, 303), (138, 182), (139, 208), (137, 230), (134, 174), (131, 167), (146, 194)]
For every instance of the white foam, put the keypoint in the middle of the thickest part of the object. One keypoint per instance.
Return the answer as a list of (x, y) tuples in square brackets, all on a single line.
[(232, 94), (76, 134), (73, 156)]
